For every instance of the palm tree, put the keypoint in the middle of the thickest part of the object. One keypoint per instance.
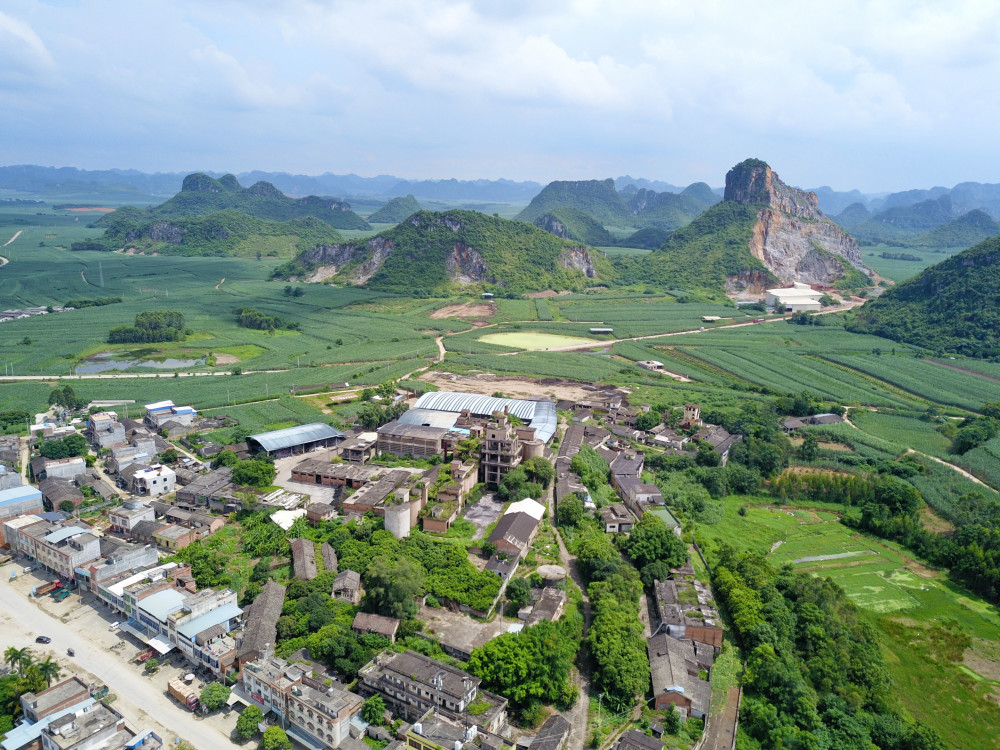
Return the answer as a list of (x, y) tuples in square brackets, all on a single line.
[(48, 670), (13, 656), (26, 660)]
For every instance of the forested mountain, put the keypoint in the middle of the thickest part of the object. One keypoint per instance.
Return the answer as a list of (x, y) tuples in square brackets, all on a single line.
[(395, 210), (632, 207), (965, 231), (904, 222), (953, 306), (572, 224), (850, 217), (201, 194), (219, 233), (433, 252)]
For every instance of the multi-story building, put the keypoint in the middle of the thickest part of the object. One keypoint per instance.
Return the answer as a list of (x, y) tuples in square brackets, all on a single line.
[(412, 684), (122, 593), (58, 547), (317, 715), (96, 727), (154, 481), (105, 430), (124, 518), (62, 695), (123, 560), (500, 449), (158, 414), (64, 468)]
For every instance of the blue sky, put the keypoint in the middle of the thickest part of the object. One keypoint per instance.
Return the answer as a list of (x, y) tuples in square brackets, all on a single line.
[(880, 96)]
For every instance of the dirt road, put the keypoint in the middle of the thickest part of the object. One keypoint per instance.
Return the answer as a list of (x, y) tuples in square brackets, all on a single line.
[(141, 700), (16, 235), (960, 470)]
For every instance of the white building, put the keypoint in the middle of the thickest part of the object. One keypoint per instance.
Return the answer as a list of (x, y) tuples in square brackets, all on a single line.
[(797, 298), (154, 481)]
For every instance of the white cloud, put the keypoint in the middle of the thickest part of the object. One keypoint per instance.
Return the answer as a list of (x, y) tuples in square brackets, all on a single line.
[(23, 56)]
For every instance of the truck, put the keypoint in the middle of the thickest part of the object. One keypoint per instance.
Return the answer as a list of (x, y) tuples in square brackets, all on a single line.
[(61, 595), (44, 588), (185, 694)]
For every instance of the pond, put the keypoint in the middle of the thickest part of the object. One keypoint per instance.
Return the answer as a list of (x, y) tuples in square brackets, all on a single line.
[(107, 361)]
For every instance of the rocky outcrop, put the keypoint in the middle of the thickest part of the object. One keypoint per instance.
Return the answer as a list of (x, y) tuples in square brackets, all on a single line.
[(331, 259), (552, 225), (579, 259), (466, 265), (793, 238)]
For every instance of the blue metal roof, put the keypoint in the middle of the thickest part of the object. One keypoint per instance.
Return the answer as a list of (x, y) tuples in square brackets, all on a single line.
[(20, 494), (539, 414), (22, 734), (161, 604), (293, 436), (216, 617), (54, 537)]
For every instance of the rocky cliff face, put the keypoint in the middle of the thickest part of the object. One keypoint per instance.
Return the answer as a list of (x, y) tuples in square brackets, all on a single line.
[(793, 238), (466, 265), (552, 225), (579, 259)]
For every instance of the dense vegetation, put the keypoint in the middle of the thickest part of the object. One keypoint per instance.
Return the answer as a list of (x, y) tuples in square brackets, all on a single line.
[(221, 233), (248, 317), (598, 199), (815, 675), (719, 240), (395, 210), (573, 224), (80, 304), (951, 307), (430, 252), (151, 326)]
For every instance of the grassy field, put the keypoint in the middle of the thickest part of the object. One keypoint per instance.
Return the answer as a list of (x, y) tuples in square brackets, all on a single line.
[(533, 341), (920, 615), (901, 270)]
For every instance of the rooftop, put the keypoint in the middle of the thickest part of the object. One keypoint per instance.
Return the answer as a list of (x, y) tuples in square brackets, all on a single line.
[(43, 702), (217, 616), (19, 494), (163, 603), (412, 666), (293, 436), (541, 415)]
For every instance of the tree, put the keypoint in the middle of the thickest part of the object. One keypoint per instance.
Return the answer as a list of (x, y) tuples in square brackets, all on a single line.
[(540, 471), (246, 725), (707, 455), (391, 586), (648, 420), (672, 721), (240, 434), (152, 665), (373, 710), (519, 592), (275, 739), (48, 670), (227, 457), (214, 695), (570, 511), (809, 450), (652, 541), (488, 549), (170, 456), (254, 473), (14, 656)]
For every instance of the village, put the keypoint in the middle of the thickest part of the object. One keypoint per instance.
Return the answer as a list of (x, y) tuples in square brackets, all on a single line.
[(100, 529)]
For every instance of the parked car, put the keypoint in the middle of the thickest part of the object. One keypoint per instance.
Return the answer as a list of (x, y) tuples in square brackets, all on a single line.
[(114, 626), (28, 568), (70, 652), (43, 639)]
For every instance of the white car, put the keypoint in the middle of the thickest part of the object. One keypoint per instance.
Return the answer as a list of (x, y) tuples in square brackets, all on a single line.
[(28, 568), (114, 626)]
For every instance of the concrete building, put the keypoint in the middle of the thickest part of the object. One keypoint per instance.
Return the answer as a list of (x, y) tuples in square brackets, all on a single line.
[(125, 559), (798, 297), (20, 501), (158, 414), (418, 441), (59, 697), (97, 727), (617, 519), (514, 533), (315, 715), (125, 518), (174, 537), (58, 547), (105, 430), (154, 481), (412, 684), (686, 610), (214, 490), (359, 449), (64, 468)]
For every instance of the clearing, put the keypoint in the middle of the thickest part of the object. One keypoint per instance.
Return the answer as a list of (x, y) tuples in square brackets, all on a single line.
[(534, 341), (466, 310), (488, 384)]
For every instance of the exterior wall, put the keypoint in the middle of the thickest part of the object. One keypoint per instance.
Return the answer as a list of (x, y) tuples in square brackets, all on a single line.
[(22, 507), (65, 469), (397, 520), (665, 700)]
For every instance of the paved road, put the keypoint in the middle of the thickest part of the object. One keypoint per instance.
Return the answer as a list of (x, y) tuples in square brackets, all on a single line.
[(141, 700)]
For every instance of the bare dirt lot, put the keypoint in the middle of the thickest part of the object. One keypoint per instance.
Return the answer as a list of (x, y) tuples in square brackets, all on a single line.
[(467, 310), (489, 384)]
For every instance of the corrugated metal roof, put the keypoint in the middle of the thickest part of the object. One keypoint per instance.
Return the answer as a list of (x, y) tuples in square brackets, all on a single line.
[(216, 617), (429, 418), (159, 405), (19, 494), (291, 436), (539, 414), (162, 603), (66, 532)]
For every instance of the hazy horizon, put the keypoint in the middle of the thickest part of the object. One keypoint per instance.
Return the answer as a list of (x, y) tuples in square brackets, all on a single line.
[(878, 97)]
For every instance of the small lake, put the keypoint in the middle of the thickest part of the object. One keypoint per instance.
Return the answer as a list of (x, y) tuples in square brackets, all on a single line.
[(106, 361)]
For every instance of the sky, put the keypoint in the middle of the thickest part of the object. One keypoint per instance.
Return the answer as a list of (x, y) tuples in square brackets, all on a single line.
[(881, 96)]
